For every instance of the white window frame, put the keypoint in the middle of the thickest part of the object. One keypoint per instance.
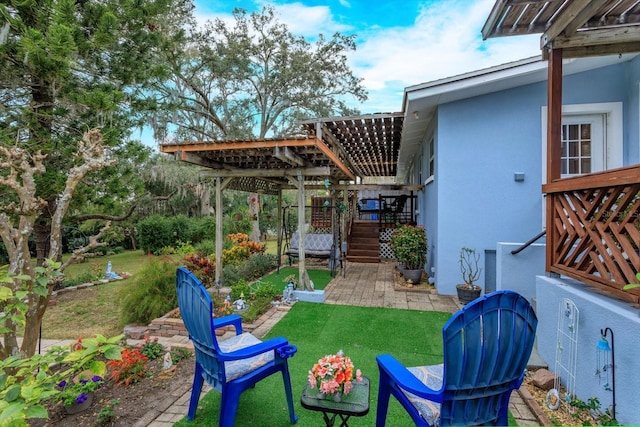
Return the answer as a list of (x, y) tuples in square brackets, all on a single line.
[(431, 160), (613, 137)]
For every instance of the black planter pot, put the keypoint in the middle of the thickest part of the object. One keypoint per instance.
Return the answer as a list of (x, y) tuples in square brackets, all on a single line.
[(414, 275), (466, 295)]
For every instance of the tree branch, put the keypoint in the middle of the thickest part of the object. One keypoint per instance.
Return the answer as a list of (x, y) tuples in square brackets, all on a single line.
[(87, 217), (93, 243)]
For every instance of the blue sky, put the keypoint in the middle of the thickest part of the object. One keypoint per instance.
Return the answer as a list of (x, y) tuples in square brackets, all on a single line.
[(399, 43)]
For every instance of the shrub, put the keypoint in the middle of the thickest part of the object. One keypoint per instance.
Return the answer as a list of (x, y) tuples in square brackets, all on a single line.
[(203, 267), (155, 233), (152, 293), (266, 291), (255, 310), (107, 413), (240, 288), (178, 354), (258, 265), (231, 275), (184, 248), (151, 348), (132, 368), (235, 256), (206, 247)]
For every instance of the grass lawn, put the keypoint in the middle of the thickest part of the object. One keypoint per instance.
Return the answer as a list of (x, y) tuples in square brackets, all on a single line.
[(320, 278), (94, 310), (414, 337), (97, 310)]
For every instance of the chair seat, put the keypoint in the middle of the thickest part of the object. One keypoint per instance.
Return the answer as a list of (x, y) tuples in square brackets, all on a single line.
[(239, 368), (431, 376)]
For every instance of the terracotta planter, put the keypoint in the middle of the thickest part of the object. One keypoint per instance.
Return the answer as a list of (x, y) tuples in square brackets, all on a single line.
[(466, 295)]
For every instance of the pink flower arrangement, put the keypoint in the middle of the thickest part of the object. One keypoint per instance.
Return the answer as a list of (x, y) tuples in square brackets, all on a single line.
[(334, 373)]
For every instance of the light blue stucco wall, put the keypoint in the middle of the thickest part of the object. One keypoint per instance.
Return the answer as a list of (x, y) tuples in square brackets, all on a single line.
[(596, 312), (481, 142), (518, 272)]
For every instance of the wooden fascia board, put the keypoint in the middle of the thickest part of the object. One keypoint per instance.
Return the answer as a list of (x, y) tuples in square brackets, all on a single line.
[(573, 16), (601, 50), (599, 36), (334, 158), (222, 146)]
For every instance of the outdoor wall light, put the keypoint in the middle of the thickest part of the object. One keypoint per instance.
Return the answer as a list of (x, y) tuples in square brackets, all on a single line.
[(518, 176)]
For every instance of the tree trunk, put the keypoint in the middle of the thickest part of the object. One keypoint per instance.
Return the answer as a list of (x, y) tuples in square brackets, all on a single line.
[(41, 233)]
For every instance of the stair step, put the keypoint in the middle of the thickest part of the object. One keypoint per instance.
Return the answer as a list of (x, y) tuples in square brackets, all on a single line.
[(364, 259)]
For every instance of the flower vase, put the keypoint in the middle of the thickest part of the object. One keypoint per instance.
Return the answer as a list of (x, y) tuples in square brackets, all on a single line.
[(79, 407), (336, 397)]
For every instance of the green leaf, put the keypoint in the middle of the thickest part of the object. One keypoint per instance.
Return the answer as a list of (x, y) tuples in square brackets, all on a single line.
[(12, 412), (40, 290), (98, 367), (73, 356), (37, 411), (630, 286), (113, 353), (5, 293), (13, 393)]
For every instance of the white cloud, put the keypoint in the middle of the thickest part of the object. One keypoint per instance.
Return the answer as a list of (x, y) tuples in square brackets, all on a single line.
[(444, 41)]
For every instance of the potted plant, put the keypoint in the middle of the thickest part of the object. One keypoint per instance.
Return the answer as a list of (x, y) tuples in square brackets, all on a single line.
[(470, 270), (409, 243)]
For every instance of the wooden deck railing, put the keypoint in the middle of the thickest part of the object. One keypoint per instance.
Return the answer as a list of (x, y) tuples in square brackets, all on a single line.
[(595, 233)]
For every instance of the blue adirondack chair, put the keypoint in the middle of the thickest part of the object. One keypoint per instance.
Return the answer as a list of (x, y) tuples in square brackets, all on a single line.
[(233, 365), (487, 345)]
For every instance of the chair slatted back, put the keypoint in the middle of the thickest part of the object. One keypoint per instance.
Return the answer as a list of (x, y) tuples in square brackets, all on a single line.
[(196, 309), (486, 350)]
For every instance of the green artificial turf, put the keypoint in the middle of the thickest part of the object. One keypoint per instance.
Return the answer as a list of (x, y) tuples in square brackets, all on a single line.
[(320, 278), (413, 337)]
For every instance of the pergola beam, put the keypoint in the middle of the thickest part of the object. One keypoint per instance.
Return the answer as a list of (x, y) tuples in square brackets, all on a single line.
[(267, 173), (237, 145)]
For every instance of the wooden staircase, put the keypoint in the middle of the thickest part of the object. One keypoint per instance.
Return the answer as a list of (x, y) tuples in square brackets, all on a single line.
[(364, 243)]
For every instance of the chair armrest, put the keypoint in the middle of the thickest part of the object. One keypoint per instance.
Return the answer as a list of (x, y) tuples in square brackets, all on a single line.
[(406, 380), (254, 350), (232, 319)]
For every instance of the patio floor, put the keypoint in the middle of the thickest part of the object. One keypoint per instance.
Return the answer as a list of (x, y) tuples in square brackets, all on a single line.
[(372, 285)]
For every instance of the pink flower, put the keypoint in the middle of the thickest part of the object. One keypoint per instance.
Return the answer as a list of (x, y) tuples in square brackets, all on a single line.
[(358, 375)]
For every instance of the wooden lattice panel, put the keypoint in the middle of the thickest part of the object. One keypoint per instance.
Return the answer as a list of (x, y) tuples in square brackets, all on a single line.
[(596, 234)]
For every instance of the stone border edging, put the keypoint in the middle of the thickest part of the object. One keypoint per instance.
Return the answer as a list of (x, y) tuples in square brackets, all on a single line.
[(536, 410)]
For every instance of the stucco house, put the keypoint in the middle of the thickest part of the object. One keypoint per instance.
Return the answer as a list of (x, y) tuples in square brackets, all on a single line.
[(477, 142)]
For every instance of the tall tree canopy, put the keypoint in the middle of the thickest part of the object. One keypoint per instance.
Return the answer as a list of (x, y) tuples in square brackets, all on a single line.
[(74, 81), (255, 79)]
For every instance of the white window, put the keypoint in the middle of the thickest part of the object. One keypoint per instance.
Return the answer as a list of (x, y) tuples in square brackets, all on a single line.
[(591, 138), (431, 166)]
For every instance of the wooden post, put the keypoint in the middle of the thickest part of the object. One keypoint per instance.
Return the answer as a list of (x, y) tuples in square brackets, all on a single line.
[(554, 131), (279, 226), (220, 186), (302, 269), (218, 230)]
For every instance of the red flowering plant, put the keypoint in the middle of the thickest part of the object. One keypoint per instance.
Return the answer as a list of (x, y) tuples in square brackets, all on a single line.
[(334, 373)]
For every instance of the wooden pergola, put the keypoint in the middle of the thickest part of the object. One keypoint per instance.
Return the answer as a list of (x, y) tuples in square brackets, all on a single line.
[(343, 150), (593, 221)]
